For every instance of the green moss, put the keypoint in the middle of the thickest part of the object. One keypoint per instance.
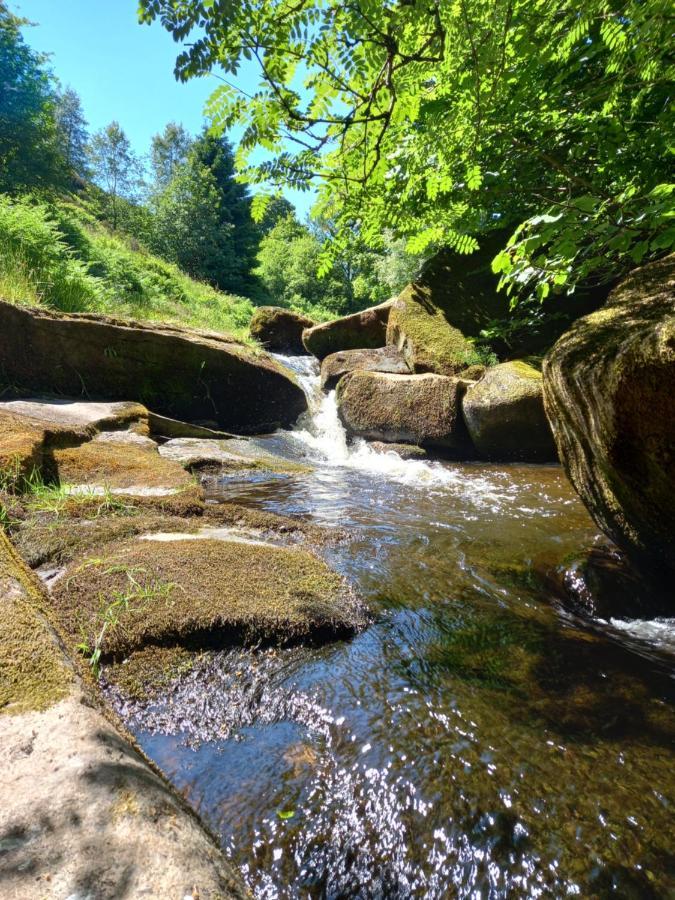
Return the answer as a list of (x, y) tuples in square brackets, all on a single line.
[(33, 675), (427, 340), (219, 590)]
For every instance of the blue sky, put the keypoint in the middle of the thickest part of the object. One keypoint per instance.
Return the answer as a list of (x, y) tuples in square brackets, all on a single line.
[(120, 69)]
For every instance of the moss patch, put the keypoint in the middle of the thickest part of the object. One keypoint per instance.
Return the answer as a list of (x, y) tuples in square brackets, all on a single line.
[(279, 329), (428, 342), (147, 672), (33, 675), (204, 588)]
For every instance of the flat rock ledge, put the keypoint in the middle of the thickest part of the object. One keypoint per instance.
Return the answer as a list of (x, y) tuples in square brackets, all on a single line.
[(82, 813)]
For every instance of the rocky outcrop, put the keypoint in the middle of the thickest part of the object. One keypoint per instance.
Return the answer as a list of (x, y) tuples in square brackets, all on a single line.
[(459, 294), (609, 389), (504, 413), (190, 375), (409, 409), (419, 330), (279, 329), (382, 359), (362, 330), (81, 812)]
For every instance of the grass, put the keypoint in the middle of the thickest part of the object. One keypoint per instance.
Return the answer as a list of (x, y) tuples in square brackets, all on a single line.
[(60, 256)]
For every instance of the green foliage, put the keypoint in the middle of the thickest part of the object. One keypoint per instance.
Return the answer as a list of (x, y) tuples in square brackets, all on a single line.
[(168, 151), (443, 121), (115, 167), (30, 155), (60, 255), (72, 130)]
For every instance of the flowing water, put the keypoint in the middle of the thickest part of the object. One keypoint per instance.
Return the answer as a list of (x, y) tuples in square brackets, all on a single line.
[(480, 739)]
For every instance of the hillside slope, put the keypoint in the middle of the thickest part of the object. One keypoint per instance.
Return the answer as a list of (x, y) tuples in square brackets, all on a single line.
[(59, 255)]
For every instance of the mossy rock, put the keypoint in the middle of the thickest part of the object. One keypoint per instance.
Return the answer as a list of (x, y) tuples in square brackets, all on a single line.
[(419, 330), (381, 359), (360, 331), (407, 409), (609, 390), (176, 372), (505, 416), (279, 329), (203, 591), (33, 675)]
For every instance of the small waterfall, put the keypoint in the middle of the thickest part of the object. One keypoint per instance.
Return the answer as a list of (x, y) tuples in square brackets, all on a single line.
[(324, 438)]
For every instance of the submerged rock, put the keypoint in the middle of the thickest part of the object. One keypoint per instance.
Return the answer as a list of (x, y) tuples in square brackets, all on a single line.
[(177, 372), (405, 451), (609, 388), (408, 409), (504, 413), (362, 330), (200, 589), (237, 453), (279, 329), (381, 359)]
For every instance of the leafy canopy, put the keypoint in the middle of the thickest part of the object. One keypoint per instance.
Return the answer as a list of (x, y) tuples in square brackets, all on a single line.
[(441, 119)]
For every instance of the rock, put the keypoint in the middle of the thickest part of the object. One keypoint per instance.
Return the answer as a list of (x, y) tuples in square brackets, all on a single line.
[(204, 587), (609, 389), (71, 783), (237, 453), (164, 427), (504, 413), (419, 330), (382, 359), (177, 372), (279, 329), (405, 451), (31, 429), (360, 331), (408, 409), (458, 293)]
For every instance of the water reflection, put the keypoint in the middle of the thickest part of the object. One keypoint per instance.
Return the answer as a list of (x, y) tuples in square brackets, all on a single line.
[(481, 739)]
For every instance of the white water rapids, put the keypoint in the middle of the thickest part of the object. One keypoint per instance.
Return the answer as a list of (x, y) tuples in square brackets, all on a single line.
[(325, 439)]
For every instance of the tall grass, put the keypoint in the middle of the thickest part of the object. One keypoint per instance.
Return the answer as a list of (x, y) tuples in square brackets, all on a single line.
[(58, 255)]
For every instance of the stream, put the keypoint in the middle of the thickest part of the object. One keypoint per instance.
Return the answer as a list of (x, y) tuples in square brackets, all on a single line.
[(483, 738)]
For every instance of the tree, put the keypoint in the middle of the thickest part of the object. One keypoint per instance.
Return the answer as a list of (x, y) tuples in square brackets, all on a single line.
[(288, 264), (168, 151), (234, 211), (115, 167), (30, 156), (72, 128), (445, 120), (188, 229)]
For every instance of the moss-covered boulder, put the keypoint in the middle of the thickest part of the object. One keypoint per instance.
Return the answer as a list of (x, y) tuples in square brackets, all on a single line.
[(362, 330), (381, 359), (279, 329), (609, 389), (408, 409), (177, 372), (504, 413), (193, 589), (456, 295), (419, 330)]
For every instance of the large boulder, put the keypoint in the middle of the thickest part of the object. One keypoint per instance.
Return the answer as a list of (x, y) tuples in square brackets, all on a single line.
[(191, 375), (362, 330), (382, 359), (504, 413), (609, 389), (279, 329), (408, 409), (455, 297)]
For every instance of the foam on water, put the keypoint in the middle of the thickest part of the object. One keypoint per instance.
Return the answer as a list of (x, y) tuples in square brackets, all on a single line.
[(322, 434)]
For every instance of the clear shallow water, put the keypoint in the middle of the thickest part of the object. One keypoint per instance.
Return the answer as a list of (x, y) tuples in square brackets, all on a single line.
[(478, 740)]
